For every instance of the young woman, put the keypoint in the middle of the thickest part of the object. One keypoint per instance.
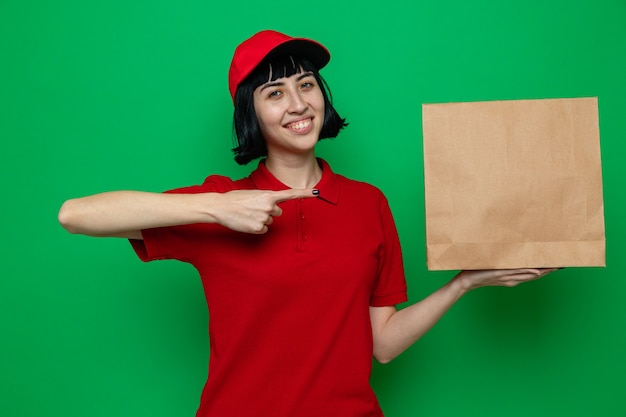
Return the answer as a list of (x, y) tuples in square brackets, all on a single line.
[(301, 267)]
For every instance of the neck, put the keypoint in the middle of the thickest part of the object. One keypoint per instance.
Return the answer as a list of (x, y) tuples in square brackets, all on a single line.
[(297, 173)]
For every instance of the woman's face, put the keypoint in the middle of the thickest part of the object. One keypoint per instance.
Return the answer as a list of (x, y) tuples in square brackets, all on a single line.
[(290, 111)]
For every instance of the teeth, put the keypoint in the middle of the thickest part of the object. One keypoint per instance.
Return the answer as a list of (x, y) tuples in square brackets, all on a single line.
[(300, 125)]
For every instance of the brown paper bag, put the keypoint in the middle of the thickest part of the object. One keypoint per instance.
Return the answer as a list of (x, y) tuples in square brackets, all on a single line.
[(512, 184)]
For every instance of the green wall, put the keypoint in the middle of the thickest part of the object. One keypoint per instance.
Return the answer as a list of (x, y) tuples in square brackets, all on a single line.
[(127, 94)]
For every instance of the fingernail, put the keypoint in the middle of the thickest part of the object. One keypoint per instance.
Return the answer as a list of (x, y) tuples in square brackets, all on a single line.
[(316, 192)]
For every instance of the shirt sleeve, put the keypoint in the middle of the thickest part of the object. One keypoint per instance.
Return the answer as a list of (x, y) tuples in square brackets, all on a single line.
[(178, 242), (390, 286)]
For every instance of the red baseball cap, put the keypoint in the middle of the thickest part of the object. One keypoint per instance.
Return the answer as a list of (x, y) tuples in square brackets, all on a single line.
[(268, 43)]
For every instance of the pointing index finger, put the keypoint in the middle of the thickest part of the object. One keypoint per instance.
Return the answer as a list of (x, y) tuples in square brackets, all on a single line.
[(291, 194)]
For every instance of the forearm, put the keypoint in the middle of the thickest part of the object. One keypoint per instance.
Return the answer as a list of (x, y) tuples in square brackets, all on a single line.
[(118, 212), (125, 213), (404, 327), (394, 331)]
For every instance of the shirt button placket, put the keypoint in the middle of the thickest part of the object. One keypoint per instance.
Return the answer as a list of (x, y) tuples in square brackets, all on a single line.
[(302, 236)]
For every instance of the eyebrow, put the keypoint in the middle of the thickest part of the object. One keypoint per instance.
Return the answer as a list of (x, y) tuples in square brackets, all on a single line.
[(278, 83)]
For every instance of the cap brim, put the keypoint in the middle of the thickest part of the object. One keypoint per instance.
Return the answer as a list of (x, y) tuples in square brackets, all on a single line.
[(311, 50)]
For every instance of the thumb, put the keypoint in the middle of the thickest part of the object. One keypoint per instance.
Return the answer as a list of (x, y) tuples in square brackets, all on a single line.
[(293, 193)]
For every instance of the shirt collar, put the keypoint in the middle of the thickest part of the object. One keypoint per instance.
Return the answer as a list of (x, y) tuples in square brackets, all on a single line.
[(328, 185)]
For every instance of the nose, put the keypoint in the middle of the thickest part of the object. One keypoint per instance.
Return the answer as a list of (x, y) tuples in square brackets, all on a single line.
[(297, 103)]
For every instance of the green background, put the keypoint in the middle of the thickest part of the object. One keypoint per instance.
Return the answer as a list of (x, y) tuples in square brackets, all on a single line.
[(129, 94)]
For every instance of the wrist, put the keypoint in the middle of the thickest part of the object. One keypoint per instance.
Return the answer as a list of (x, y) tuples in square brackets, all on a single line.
[(206, 206), (461, 284)]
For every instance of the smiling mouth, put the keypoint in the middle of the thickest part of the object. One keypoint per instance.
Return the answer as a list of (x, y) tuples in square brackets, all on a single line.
[(299, 126)]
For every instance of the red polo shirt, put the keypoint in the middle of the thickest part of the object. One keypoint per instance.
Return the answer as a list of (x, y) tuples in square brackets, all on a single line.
[(289, 326)]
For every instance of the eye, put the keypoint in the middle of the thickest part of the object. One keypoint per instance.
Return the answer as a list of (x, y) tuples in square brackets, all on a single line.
[(307, 85), (274, 94)]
